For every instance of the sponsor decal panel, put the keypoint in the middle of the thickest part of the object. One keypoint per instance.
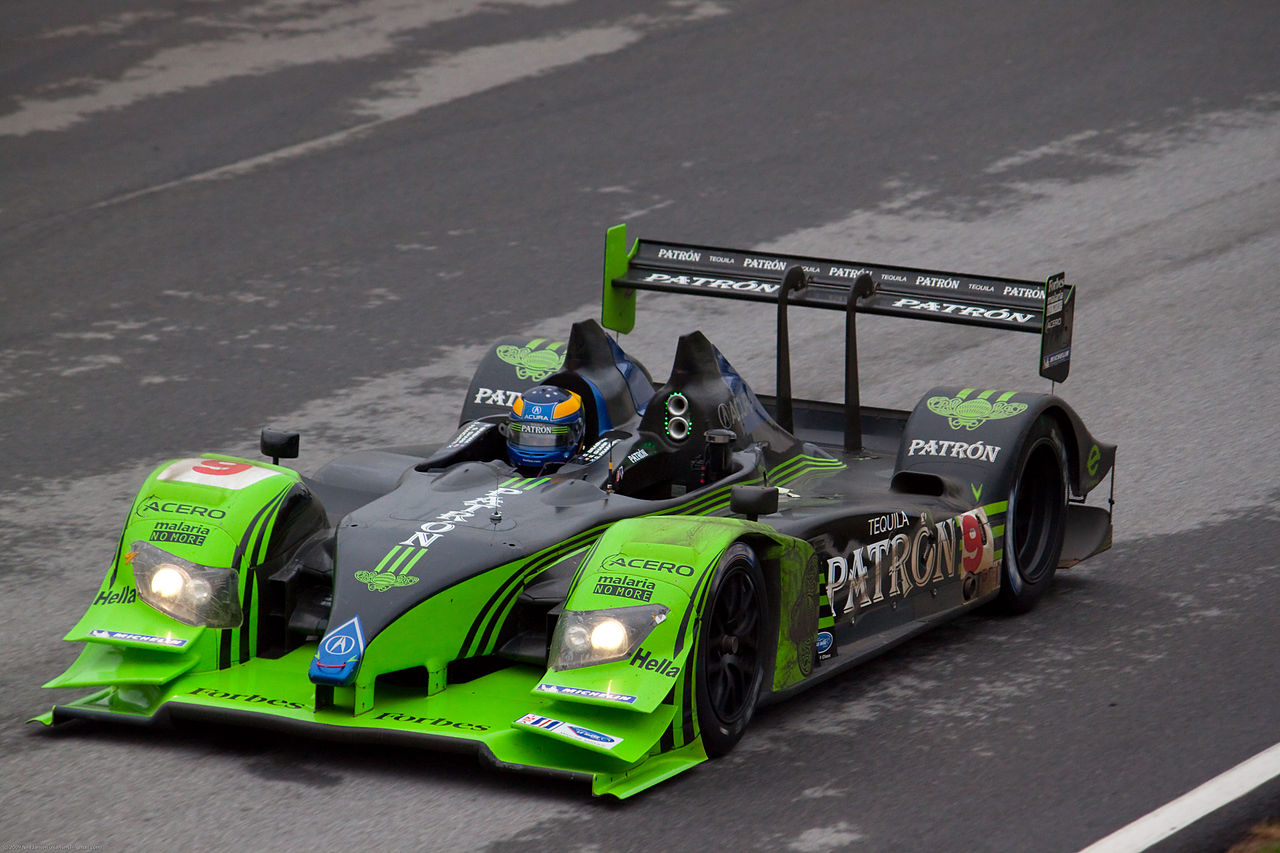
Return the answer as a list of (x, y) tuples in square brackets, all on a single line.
[(534, 361), (496, 397), (128, 595), (978, 451), (846, 272), (587, 693), (1022, 318), (339, 653), (969, 412), (887, 523), (642, 659), (570, 730), (394, 569), (1055, 341), (625, 586), (1025, 292), (938, 282), (1057, 357), (469, 433), (598, 450), (680, 255), (916, 559), (153, 505), (179, 532), (223, 473), (771, 264), (619, 562), (435, 722), (249, 698), (826, 645), (748, 285), (105, 634)]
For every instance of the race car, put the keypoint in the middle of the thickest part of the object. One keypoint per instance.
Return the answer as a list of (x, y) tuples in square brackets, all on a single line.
[(617, 618)]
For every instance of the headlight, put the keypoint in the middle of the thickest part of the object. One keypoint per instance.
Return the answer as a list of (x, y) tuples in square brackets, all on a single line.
[(187, 591), (588, 637)]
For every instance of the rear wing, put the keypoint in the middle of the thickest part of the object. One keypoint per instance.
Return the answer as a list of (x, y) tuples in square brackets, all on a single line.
[(1046, 309)]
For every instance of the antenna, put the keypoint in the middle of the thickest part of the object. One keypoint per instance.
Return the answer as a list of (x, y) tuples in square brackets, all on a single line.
[(608, 481)]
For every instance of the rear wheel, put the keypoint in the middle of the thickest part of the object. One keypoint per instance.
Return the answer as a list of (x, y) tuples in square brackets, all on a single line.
[(730, 645), (1036, 519)]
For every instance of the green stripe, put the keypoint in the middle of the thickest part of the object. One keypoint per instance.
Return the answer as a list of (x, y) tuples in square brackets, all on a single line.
[(390, 554), (268, 522), (996, 508), (400, 559), (418, 555)]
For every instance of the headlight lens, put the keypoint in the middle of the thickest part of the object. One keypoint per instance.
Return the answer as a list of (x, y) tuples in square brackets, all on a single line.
[(187, 591), (589, 637), (168, 581)]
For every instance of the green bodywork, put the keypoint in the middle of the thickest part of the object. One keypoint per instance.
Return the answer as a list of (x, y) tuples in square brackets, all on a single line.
[(150, 665), (618, 304)]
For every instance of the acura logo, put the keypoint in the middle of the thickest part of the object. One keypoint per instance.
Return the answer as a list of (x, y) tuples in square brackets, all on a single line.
[(342, 644)]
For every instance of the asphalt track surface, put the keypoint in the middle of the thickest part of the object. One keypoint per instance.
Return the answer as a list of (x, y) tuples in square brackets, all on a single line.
[(314, 215)]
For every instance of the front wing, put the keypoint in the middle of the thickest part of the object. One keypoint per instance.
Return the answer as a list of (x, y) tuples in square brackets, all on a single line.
[(497, 716)]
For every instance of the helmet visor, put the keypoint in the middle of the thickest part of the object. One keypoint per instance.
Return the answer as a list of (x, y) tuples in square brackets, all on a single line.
[(540, 436)]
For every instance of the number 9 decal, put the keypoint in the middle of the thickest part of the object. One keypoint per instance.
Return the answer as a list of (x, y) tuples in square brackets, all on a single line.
[(976, 540)]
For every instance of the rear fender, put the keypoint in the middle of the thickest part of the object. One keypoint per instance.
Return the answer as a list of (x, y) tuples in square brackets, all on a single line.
[(973, 437), (218, 511)]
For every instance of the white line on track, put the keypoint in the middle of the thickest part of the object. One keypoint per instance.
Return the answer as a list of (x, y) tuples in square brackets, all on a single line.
[(1191, 806)]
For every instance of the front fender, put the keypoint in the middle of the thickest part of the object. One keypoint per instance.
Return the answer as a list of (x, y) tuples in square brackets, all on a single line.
[(671, 561), (215, 510)]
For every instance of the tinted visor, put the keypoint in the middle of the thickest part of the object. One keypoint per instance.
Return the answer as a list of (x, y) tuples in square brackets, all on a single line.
[(540, 436)]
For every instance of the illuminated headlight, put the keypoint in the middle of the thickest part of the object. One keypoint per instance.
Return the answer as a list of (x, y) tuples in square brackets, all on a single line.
[(187, 591), (588, 637)]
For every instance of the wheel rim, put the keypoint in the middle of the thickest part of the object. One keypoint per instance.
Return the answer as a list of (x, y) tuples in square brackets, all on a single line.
[(1036, 513), (733, 646)]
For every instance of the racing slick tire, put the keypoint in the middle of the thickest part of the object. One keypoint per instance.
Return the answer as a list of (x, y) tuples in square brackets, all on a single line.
[(730, 668), (1036, 519)]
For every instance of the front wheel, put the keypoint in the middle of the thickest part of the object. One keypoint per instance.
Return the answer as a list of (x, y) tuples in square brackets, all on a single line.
[(1036, 519), (730, 646)]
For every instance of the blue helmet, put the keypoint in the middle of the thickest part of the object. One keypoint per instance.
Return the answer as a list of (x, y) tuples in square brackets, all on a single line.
[(545, 427)]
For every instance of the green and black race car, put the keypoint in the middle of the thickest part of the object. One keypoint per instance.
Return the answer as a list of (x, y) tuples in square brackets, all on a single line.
[(618, 621)]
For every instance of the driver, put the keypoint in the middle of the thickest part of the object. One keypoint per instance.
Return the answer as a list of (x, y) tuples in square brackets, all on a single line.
[(544, 430)]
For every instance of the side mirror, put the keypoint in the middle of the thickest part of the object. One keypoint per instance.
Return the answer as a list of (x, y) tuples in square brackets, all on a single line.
[(753, 501), (279, 444)]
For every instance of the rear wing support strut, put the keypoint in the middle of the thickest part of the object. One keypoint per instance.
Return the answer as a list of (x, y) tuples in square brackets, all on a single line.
[(862, 287), (794, 279)]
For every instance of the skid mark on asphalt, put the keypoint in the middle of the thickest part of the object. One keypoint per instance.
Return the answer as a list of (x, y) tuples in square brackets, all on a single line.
[(825, 838), (258, 40)]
